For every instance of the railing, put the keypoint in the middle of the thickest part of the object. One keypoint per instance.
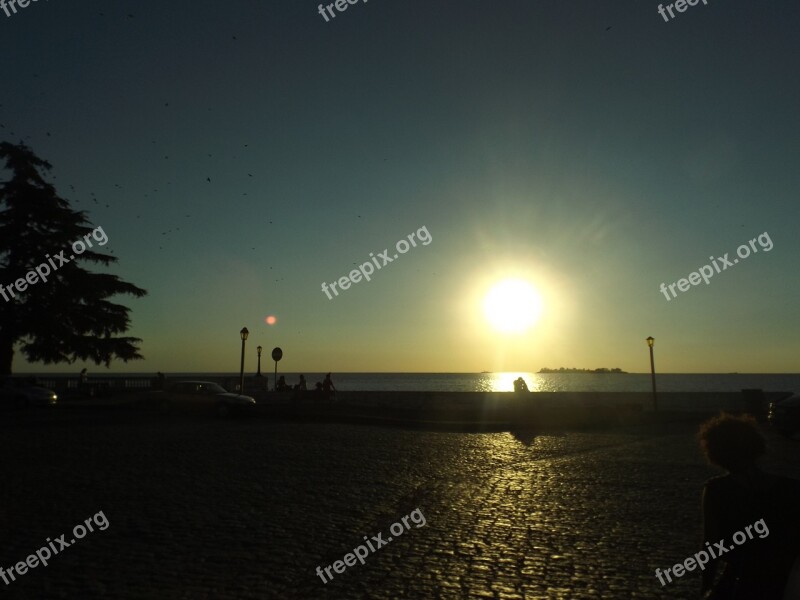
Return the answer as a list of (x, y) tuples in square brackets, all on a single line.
[(71, 383)]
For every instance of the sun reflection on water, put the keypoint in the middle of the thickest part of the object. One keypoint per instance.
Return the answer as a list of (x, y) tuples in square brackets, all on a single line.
[(503, 381)]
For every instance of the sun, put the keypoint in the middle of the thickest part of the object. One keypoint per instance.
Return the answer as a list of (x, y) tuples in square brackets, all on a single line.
[(512, 306)]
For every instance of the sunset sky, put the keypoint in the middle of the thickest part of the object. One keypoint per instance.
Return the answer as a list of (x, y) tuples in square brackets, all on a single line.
[(588, 148)]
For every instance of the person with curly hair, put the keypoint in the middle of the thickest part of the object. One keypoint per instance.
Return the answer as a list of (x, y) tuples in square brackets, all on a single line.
[(760, 567)]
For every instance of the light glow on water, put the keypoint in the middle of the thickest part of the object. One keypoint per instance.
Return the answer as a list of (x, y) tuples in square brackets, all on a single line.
[(504, 381)]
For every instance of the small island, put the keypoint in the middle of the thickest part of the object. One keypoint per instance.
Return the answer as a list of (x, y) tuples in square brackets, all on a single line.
[(563, 370)]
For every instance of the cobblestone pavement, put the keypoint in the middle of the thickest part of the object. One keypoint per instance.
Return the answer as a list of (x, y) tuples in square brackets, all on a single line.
[(207, 509)]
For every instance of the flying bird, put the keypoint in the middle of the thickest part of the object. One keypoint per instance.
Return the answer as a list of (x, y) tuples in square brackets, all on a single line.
[(208, 179)]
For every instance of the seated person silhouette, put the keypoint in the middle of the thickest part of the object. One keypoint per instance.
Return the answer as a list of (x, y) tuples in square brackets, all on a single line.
[(520, 385)]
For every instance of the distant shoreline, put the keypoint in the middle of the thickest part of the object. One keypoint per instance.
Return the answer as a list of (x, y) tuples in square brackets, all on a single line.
[(601, 370)]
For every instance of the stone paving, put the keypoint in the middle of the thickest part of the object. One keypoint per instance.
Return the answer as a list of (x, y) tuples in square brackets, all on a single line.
[(207, 509)]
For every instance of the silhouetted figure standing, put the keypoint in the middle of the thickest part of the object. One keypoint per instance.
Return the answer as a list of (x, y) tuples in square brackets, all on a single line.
[(757, 567), (328, 389), (160, 381), (281, 385), (83, 380)]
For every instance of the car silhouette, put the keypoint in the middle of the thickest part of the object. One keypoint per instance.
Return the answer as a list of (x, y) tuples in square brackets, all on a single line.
[(201, 396), (19, 393), (784, 415)]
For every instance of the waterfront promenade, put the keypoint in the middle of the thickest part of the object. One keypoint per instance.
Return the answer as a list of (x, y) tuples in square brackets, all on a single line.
[(200, 508)]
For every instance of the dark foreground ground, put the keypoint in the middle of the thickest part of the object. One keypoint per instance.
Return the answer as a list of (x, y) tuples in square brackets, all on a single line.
[(200, 508)]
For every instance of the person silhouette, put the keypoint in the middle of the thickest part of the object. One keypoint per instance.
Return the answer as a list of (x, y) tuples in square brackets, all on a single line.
[(83, 380), (328, 389), (755, 567)]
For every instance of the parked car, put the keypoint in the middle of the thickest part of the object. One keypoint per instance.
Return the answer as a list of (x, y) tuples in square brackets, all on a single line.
[(784, 415), (19, 393), (202, 396)]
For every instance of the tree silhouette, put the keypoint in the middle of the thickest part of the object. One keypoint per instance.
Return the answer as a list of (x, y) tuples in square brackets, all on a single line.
[(64, 315)]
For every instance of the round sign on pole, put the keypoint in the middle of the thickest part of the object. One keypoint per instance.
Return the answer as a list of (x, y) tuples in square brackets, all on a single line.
[(277, 354)]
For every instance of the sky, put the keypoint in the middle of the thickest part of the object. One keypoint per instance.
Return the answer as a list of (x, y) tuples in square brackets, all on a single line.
[(243, 154)]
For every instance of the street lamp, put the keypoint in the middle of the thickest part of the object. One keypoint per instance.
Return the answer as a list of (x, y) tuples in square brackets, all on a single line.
[(259, 349), (650, 342), (243, 333)]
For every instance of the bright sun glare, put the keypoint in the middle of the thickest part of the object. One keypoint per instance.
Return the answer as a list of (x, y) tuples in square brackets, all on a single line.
[(512, 306)]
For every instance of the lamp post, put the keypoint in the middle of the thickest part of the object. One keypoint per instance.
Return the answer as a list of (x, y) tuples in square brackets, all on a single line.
[(243, 333), (259, 349), (650, 342)]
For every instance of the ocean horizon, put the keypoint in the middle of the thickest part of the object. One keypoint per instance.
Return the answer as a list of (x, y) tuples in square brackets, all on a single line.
[(503, 381)]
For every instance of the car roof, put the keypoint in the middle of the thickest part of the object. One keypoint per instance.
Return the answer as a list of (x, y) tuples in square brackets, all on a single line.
[(29, 386), (791, 401)]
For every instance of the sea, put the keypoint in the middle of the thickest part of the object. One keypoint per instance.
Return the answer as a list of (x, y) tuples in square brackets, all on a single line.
[(537, 382)]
